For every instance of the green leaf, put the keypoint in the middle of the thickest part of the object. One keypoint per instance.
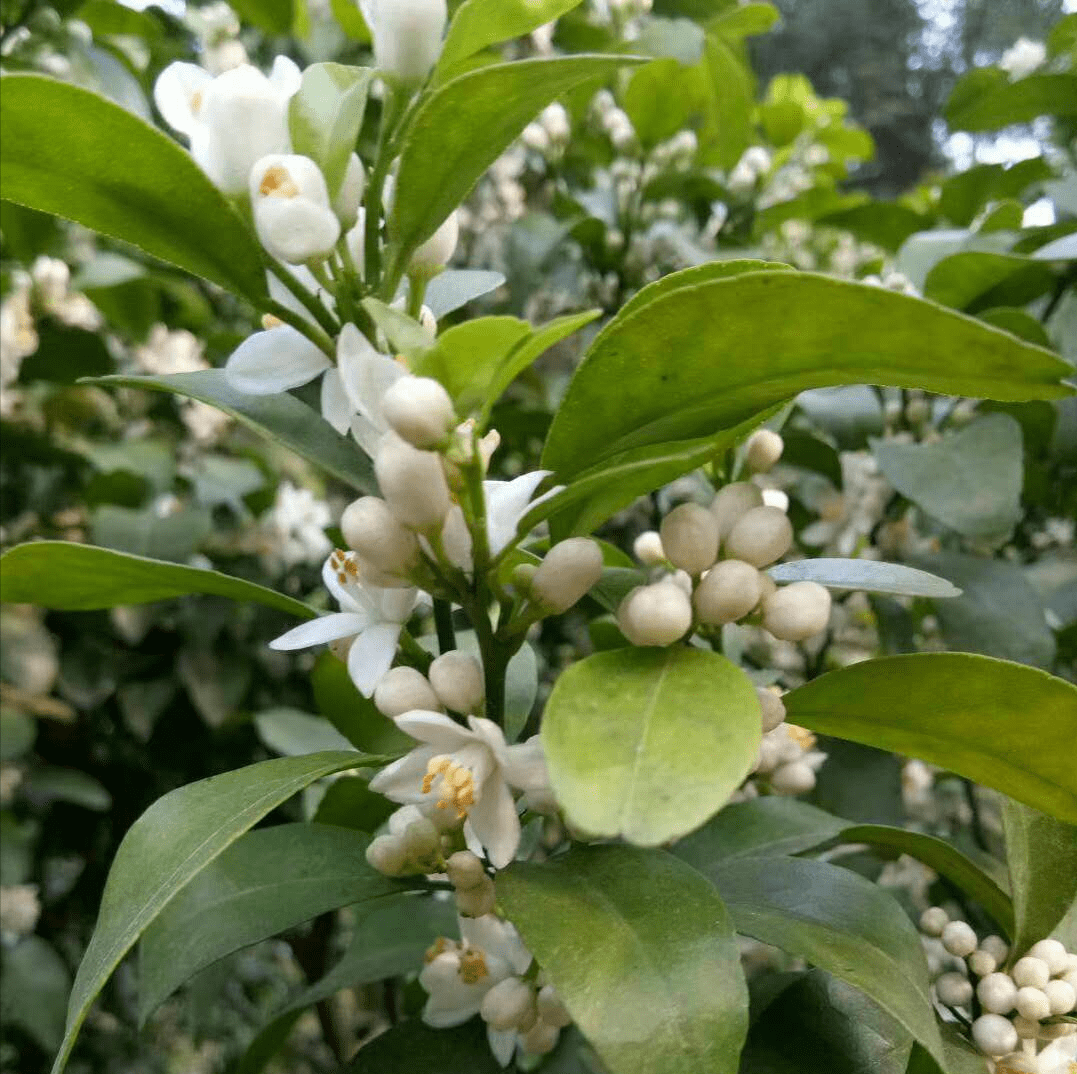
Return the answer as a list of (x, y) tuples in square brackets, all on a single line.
[(970, 480), (649, 743), (144, 532), (1018, 323), (984, 103), (1004, 725), (353, 715), (273, 15), (411, 1047), (265, 882), (641, 950), (730, 97), (281, 417), (1042, 856), (69, 152), (168, 846), (454, 288), (976, 279), (965, 194), (17, 731), (464, 126), (326, 115), (961, 1056), (292, 733), (838, 921), (349, 802), (478, 24), (866, 574), (887, 224), (705, 358), (34, 982), (745, 20), (79, 577)]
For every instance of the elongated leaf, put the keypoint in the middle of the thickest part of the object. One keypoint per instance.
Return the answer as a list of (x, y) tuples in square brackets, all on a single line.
[(453, 288), (1042, 855), (991, 104), (462, 128), (282, 418), (973, 279), (265, 882), (169, 845), (1005, 725), (70, 152), (867, 574), (841, 923), (641, 950), (708, 357), (80, 577), (648, 744)]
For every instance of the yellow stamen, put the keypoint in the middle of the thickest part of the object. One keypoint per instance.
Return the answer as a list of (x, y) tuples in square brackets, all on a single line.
[(457, 790), (196, 102), (269, 321), (801, 736), (439, 947), (277, 183), (473, 966)]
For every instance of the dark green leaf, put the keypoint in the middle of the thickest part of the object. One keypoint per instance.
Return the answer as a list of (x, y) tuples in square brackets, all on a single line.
[(273, 15), (353, 715), (411, 1047), (34, 982), (973, 279)]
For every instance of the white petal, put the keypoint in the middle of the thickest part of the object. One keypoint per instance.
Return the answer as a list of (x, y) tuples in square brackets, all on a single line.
[(488, 732), (494, 819), (405, 815), (402, 780), (285, 76), (502, 1043), (524, 766), (446, 1017), (274, 361), (367, 434), (176, 91), (319, 631), (394, 605), (297, 229), (335, 406), (499, 940), (506, 504), (371, 655), (435, 729)]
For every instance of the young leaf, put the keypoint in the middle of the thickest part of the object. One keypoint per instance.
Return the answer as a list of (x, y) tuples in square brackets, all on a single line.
[(169, 845), (79, 577), (282, 418), (70, 152), (649, 743), (1004, 725), (839, 922), (265, 882), (705, 358), (641, 950), (866, 574)]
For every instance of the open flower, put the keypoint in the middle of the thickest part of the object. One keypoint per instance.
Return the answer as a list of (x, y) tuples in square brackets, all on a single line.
[(365, 376), (371, 617), (468, 770), (291, 208)]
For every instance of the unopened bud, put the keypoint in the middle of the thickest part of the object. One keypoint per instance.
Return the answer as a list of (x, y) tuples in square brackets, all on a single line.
[(798, 777), (508, 1004), (419, 410), (959, 939), (523, 574), (997, 993), (541, 1038), (1033, 1004), (434, 254), (1053, 953), (371, 529), (761, 536), (567, 574), (763, 450), (413, 484), (457, 679), (994, 1035), (690, 538), (350, 195), (291, 209), (1061, 996), (657, 614), (997, 947), (648, 549), (727, 592), (477, 901), (772, 708), (798, 611), (407, 37), (933, 920), (550, 1008), (953, 989), (1030, 972), (403, 689), (422, 839), (387, 854), (732, 503), (465, 870), (981, 963)]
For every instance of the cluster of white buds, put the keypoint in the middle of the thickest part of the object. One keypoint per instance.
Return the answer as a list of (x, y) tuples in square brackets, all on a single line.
[(1024, 1008), (473, 887), (567, 574), (788, 759), (709, 592), (414, 842), (454, 681), (613, 121), (550, 132), (754, 164)]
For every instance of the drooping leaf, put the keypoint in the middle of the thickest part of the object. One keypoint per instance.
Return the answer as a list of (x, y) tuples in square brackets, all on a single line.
[(867, 574), (983, 101), (70, 152), (641, 950), (281, 417), (648, 744), (1005, 725), (80, 577), (168, 846)]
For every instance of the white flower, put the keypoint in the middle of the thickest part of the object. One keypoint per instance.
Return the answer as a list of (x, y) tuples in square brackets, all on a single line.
[(372, 617), (365, 376), (166, 352), (19, 909), (468, 769), (232, 120), (407, 35), (292, 215), (296, 526), (1022, 58)]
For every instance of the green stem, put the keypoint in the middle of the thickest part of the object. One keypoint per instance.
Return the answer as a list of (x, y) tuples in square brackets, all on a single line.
[(302, 325), (383, 158), (310, 302), (443, 623), (415, 652), (416, 293)]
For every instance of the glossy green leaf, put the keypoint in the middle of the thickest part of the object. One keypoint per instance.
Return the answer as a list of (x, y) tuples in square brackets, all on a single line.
[(867, 574), (462, 128), (641, 950), (281, 417), (69, 152), (454, 288), (349, 802), (412, 1047), (730, 91), (649, 743), (265, 882), (981, 102), (168, 846), (1004, 725), (1042, 856), (353, 715), (961, 1056), (838, 921), (1017, 322), (977, 279), (705, 358), (292, 733), (80, 577), (970, 480)]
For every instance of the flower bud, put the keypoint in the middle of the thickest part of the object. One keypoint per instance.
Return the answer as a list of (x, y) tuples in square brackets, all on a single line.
[(657, 614), (727, 592), (1033, 1004), (403, 689), (523, 574), (797, 777), (507, 1004), (982, 963), (387, 854), (648, 549), (994, 1035), (1061, 996), (407, 36), (953, 989), (567, 574), (1053, 953), (997, 993), (477, 901), (413, 484), (291, 208), (348, 198), (690, 538), (550, 1008), (761, 536), (372, 530), (959, 939), (933, 920), (772, 708), (419, 410), (457, 680), (540, 1039), (465, 870), (763, 450), (997, 947), (732, 503), (433, 255), (1030, 972), (798, 611)]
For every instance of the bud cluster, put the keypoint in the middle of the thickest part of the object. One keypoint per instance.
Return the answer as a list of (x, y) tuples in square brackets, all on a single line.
[(788, 759), (454, 681), (415, 842)]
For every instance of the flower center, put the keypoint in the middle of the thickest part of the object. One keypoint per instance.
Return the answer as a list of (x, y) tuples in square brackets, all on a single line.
[(801, 736), (473, 966), (196, 102), (457, 786), (438, 947), (277, 183), (344, 566)]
